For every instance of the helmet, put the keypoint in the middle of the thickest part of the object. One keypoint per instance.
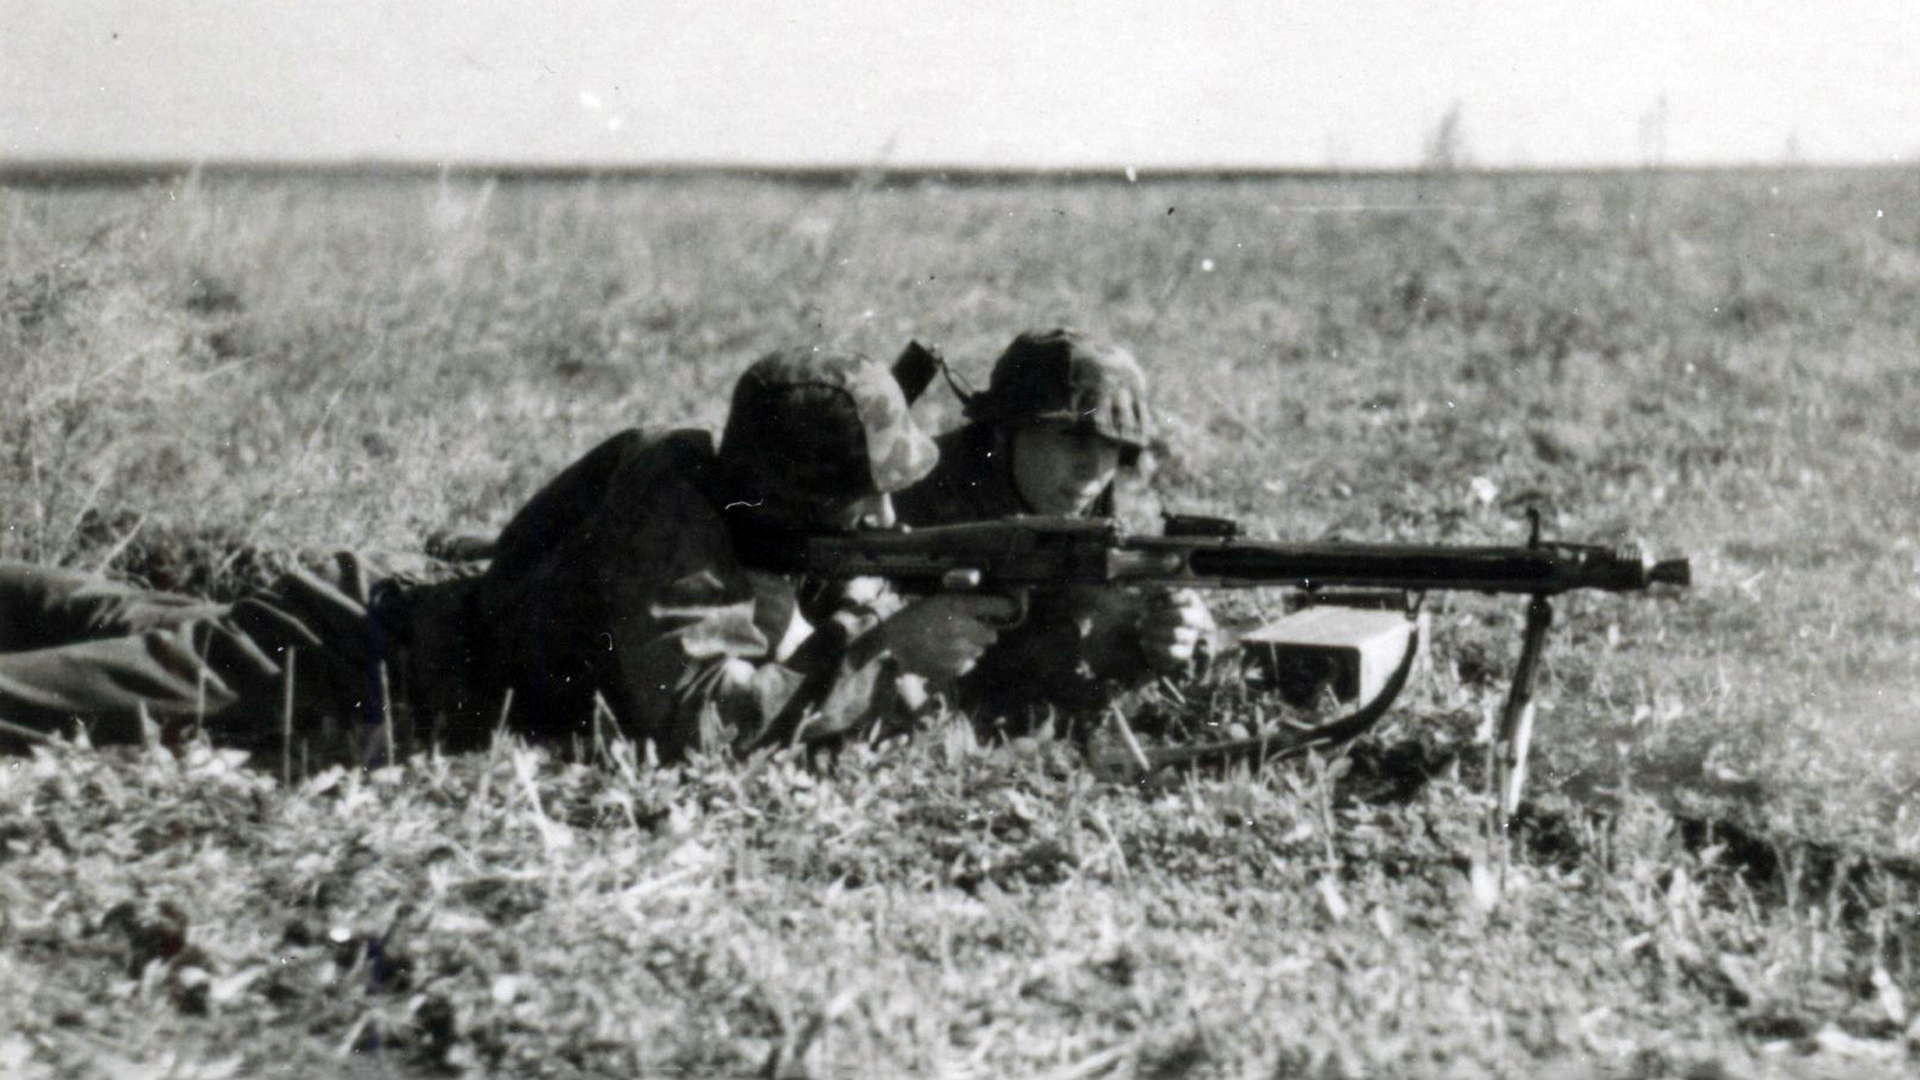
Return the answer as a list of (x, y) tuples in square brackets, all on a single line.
[(1065, 375), (825, 426)]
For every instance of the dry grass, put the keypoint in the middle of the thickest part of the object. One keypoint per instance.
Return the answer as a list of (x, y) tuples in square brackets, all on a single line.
[(1721, 365)]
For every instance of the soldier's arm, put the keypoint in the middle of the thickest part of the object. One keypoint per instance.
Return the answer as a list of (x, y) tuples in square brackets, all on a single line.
[(699, 647), (704, 658)]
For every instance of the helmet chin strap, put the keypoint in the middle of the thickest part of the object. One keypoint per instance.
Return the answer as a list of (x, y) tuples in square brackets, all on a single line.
[(954, 379)]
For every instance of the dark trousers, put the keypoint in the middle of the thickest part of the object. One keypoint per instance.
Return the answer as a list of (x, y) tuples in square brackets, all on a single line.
[(78, 647)]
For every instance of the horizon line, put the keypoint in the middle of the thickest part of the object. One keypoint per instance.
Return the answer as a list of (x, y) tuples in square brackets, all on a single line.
[(53, 169)]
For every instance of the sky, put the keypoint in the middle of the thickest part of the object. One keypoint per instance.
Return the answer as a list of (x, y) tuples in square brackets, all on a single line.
[(991, 83)]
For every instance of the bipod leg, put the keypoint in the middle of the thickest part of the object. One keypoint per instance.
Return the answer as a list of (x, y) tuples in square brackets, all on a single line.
[(1516, 717)]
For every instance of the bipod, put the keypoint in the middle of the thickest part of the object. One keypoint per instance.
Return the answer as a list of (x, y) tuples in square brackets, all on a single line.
[(1516, 715)]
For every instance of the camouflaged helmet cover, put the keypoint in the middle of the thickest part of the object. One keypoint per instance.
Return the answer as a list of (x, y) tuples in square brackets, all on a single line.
[(823, 425), (1065, 375)]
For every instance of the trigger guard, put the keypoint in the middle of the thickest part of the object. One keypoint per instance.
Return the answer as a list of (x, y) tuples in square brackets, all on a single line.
[(1020, 612)]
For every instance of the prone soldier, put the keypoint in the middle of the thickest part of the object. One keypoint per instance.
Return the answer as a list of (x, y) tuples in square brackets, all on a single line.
[(1063, 421), (626, 577)]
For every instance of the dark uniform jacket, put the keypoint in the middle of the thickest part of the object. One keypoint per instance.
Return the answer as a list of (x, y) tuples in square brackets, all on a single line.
[(621, 581)]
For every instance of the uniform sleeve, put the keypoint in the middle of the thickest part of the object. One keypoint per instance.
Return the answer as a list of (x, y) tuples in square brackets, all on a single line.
[(696, 639)]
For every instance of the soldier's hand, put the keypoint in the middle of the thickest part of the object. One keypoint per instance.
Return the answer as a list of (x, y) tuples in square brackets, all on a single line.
[(1176, 621), (942, 636)]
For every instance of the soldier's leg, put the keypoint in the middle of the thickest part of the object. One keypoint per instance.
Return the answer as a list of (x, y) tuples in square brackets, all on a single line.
[(87, 649), (350, 671), (309, 643), (42, 606), (107, 683)]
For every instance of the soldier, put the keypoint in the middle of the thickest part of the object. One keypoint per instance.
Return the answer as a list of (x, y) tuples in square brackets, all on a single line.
[(628, 576), (618, 593), (1063, 419)]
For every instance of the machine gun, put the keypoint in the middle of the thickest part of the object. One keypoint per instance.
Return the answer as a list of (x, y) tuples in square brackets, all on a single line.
[(1013, 555)]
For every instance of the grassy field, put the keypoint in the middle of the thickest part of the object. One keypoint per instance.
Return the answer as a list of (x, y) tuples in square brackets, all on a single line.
[(1715, 876)]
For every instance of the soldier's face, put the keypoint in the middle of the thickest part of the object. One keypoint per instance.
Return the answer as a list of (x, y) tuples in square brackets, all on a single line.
[(1062, 469)]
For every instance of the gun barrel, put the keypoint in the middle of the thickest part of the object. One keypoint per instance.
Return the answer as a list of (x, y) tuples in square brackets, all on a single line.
[(1548, 568), (1671, 572)]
